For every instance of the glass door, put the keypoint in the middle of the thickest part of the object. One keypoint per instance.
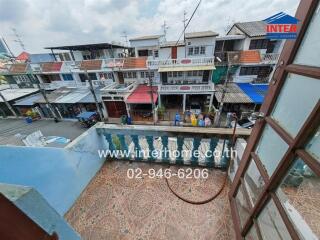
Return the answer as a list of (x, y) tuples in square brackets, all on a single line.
[(276, 191)]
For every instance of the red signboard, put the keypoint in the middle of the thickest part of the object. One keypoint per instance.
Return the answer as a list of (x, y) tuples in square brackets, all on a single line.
[(184, 88), (186, 61)]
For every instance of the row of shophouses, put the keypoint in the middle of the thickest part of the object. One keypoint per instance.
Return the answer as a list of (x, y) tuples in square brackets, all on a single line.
[(152, 74)]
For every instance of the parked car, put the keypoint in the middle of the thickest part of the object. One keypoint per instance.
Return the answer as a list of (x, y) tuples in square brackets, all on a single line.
[(88, 119), (244, 123)]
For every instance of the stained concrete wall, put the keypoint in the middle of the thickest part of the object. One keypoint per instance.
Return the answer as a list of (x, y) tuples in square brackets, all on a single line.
[(58, 174)]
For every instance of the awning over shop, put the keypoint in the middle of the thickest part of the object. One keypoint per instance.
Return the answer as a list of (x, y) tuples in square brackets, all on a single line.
[(256, 92), (186, 68), (142, 95), (28, 101), (233, 94)]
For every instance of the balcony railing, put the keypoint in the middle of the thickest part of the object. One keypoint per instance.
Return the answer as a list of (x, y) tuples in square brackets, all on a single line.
[(115, 89), (180, 62), (270, 58), (58, 84), (187, 88), (171, 145)]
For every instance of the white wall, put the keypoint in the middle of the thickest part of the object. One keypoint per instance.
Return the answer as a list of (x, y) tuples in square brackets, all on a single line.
[(208, 42), (77, 55)]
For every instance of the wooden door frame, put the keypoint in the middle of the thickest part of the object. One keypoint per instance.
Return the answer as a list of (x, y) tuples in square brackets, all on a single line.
[(304, 14)]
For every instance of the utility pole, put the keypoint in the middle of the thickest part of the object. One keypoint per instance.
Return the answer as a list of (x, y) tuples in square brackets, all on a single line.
[(184, 33), (8, 104), (152, 100), (94, 96), (231, 60), (44, 95)]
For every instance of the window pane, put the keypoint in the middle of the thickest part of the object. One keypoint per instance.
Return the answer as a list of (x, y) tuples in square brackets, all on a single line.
[(299, 194), (271, 224), (298, 97), (252, 234), (253, 182), (313, 147), (308, 53), (242, 206), (271, 149)]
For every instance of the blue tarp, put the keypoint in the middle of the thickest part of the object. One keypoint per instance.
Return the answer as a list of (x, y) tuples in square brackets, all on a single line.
[(255, 92), (86, 115)]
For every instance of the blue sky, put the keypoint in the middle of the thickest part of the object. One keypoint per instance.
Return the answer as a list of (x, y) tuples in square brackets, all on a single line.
[(43, 23)]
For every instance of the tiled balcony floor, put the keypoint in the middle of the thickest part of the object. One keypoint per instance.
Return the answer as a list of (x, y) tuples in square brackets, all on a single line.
[(115, 207)]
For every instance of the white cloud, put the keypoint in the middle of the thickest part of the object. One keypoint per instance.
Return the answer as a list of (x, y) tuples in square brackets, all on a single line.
[(44, 23)]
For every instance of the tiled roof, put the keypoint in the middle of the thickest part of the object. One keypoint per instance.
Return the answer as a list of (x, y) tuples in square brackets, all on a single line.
[(51, 67), (24, 56), (253, 29), (135, 62), (250, 56), (91, 65), (18, 68), (146, 37), (201, 34), (172, 44)]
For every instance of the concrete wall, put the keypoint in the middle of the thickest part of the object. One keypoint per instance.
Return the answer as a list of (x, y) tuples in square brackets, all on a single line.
[(58, 174), (29, 201), (208, 42)]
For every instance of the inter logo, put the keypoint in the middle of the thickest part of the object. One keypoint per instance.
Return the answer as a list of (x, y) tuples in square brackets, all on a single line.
[(281, 26)]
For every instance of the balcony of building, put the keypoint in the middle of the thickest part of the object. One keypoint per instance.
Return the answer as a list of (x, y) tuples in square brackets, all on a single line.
[(186, 88), (75, 84), (247, 57), (181, 62), (103, 202)]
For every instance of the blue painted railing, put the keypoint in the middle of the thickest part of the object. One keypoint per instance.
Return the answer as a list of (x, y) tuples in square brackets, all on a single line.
[(171, 145)]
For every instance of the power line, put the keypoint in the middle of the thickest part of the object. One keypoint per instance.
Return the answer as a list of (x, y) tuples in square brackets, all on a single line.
[(18, 39)]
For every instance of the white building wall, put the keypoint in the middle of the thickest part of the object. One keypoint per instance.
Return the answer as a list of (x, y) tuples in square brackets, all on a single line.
[(208, 42), (77, 55)]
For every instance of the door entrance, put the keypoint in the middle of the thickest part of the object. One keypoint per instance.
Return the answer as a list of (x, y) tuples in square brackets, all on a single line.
[(115, 108)]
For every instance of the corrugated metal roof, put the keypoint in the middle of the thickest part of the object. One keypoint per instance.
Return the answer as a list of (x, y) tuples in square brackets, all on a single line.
[(135, 62), (18, 68), (28, 101), (201, 34), (253, 29), (91, 65), (66, 95), (256, 92), (146, 37), (233, 94), (51, 66), (230, 37), (172, 44), (12, 94), (142, 95)]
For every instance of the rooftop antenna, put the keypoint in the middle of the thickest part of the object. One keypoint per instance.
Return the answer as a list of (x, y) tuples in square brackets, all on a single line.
[(125, 36), (165, 28), (18, 39)]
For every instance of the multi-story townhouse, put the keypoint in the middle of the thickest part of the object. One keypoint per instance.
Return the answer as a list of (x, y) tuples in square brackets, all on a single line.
[(153, 72), (185, 69), (257, 54), (249, 59)]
